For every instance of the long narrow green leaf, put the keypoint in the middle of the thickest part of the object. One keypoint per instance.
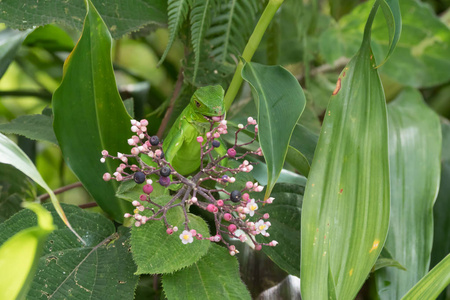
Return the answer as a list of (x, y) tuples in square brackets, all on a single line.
[(391, 11), (433, 283), (10, 41), (345, 213), (441, 209), (11, 154), (280, 102), (89, 115), (414, 155)]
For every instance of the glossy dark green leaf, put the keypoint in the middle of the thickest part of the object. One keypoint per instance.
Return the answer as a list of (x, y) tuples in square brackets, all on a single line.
[(89, 115), (301, 149), (345, 213), (285, 212), (120, 16), (414, 150), (10, 41), (14, 189), (49, 37), (421, 52), (215, 276), (280, 102), (155, 251), (34, 127), (441, 209), (433, 283), (67, 269)]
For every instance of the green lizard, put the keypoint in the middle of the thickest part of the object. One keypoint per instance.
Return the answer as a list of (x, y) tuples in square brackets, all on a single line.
[(180, 146)]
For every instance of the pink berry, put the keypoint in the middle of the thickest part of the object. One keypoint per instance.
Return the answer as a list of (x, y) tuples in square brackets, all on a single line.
[(169, 231), (148, 188), (220, 203), (231, 152), (227, 217), (232, 228), (266, 216), (106, 177), (246, 196), (258, 247), (249, 185), (200, 139), (143, 197), (210, 208)]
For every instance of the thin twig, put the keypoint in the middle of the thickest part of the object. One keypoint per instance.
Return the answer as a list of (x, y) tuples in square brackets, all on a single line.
[(61, 190), (169, 111), (43, 94), (88, 205), (338, 64)]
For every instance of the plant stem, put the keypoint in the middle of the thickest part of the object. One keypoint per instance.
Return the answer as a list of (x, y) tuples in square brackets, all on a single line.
[(27, 93), (250, 49), (61, 190), (169, 111)]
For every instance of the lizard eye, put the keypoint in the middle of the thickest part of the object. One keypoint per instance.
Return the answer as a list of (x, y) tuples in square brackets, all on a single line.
[(197, 103)]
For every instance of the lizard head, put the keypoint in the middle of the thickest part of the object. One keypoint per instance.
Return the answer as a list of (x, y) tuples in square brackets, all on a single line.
[(208, 102)]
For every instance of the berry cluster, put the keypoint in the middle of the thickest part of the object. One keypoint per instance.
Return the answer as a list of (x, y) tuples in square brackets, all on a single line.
[(231, 213)]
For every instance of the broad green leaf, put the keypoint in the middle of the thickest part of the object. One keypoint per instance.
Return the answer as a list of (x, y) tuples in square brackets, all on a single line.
[(285, 212), (155, 251), (414, 155), (386, 260), (49, 37), (301, 149), (280, 102), (433, 283), (104, 266), (441, 209), (215, 276), (10, 41), (130, 190), (20, 253), (121, 16), (89, 115), (421, 52), (345, 213), (34, 127), (11, 154), (14, 189)]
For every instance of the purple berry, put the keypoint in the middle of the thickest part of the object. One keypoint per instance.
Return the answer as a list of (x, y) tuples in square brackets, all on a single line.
[(215, 144), (164, 181)]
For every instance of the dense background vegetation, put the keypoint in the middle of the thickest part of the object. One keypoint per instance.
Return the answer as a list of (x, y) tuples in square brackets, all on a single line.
[(161, 53)]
